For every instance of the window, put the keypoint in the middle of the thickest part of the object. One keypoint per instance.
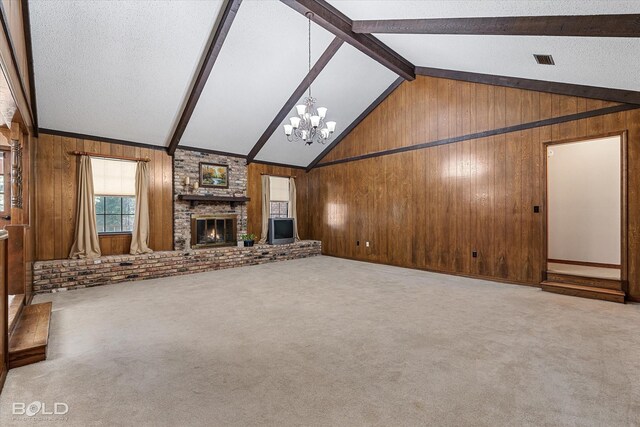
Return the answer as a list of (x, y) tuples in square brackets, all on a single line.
[(114, 189), (114, 214), (5, 182), (279, 194)]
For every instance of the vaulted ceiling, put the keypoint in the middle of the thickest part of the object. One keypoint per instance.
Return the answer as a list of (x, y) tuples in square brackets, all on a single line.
[(125, 70)]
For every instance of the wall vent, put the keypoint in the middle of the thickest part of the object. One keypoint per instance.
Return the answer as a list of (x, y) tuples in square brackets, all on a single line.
[(544, 59)]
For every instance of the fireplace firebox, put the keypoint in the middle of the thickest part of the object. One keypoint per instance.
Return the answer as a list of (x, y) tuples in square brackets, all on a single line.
[(214, 230)]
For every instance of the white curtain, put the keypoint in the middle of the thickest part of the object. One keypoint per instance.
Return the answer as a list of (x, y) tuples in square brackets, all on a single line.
[(292, 206), (140, 234), (86, 243), (266, 208)]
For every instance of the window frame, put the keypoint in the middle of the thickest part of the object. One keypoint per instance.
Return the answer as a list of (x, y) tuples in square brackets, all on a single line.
[(6, 163), (114, 233)]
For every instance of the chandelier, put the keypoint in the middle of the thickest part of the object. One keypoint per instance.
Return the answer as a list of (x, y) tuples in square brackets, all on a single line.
[(309, 125)]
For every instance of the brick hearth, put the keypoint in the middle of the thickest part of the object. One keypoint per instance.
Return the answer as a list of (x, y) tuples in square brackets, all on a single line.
[(60, 275)]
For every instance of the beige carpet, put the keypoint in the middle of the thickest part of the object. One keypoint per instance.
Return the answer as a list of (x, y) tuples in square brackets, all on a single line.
[(325, 341)]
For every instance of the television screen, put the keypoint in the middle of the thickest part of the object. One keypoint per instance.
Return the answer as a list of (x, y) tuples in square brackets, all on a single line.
[(282, 229)]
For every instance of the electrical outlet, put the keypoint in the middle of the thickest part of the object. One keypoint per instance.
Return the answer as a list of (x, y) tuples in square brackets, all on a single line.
[(367, 244), (536, 209), (357, 242), (474, 254)]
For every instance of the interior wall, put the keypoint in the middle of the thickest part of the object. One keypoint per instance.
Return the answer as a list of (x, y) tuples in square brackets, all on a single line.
[(432, 208), (56, 180), (583, 198), (254, 192)]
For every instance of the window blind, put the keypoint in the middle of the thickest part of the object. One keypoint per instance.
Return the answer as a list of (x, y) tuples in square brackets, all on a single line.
[(279, 189), (113, 177)]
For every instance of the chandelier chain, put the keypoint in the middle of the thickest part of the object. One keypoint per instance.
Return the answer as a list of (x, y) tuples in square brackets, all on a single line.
[(309, 38)]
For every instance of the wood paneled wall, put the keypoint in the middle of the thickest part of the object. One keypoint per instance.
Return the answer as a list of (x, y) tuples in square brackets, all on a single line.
[(432, 208), (254, 192), (56, 181)]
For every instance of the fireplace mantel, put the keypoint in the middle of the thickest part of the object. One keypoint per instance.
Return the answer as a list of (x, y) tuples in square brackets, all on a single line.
[(195, 199)]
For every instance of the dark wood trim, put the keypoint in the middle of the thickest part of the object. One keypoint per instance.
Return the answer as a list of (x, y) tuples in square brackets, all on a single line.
[(100, 138), (213, 49), (26, 24), (478, 135), (584, 263), (582, 91), (215, 152), (16, 64), (558, 26), (317, 68), (355, 123), (280, 165), (340, 25)]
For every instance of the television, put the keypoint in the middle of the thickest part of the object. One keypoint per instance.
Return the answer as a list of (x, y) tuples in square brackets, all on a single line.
[(281, 231)]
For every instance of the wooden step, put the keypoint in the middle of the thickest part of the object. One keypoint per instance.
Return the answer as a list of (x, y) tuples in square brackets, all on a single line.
[(28, 343), (613, 295), (16, 304), (584, 281)]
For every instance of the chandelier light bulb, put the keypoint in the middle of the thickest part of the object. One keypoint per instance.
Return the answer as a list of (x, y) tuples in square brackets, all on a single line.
[(331, 126), (301, 109), (315, 121), (304, 135), (295, 122), (288, 130), (322, 112)]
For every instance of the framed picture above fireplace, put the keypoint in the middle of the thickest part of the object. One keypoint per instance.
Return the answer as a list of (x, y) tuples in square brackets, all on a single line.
[(214, 175)]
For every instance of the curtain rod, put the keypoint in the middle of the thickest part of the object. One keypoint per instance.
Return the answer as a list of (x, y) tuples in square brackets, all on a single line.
[(109, 156), (279, 176)]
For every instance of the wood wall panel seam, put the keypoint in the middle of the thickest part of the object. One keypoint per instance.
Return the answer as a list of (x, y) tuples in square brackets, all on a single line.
[(485, 134)]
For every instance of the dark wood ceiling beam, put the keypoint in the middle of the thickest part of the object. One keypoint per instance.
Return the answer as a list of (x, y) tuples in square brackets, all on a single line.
[(213, 50), (340, 25), (356, 122), (26, 27), (582, 91), (295, 97), (560, 26)]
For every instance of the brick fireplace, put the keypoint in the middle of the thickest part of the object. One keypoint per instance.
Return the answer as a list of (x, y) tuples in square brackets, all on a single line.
[(187, 163)]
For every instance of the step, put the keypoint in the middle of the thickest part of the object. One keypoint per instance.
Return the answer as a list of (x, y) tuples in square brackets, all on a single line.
[(28, 343), (16, 304), (584, 281), (613, 295)]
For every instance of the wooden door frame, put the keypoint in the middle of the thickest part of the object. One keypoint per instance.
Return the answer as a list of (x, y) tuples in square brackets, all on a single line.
[(623, 200)]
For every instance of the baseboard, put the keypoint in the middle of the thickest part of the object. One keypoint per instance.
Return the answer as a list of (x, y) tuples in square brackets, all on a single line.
[(449, 273)]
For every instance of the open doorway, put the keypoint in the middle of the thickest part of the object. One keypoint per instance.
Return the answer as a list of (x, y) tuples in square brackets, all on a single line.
[(586, 208)]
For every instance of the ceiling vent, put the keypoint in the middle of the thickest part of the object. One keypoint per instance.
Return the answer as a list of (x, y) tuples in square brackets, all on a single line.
[(544, 59)]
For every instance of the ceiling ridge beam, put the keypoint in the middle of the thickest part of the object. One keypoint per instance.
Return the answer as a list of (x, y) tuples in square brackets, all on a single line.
[(295, 96), (356, 122), (213, 50), (569, 89), (620, 25), (488, 133), (334, 21)]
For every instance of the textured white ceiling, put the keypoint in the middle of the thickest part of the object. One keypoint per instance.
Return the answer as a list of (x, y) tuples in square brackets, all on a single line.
[(117, 69), (263, 60), (123, 69), (347, 86), (414, 9), (579, 60)]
